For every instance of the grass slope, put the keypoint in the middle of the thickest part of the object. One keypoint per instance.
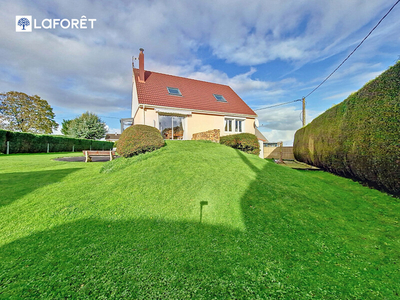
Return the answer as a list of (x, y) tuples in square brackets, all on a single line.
[(192, 220)]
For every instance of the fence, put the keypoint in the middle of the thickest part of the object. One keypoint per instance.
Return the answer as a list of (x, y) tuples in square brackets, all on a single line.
[(274, 152), (20, 142)]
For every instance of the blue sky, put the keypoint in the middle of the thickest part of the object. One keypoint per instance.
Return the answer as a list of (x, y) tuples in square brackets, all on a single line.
[(268, 51)]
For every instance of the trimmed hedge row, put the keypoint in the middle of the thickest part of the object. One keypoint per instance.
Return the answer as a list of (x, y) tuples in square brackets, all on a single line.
[(245, 142), (360, 137), (21, 142), (138, 139)]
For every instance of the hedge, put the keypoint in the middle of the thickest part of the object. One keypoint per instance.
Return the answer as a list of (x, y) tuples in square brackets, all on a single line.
[(245, 142), (138, 139), (21, 142), (360, 137)]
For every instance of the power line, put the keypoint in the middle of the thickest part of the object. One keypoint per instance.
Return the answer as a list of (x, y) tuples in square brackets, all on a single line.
[(354, 49), (279, 104)]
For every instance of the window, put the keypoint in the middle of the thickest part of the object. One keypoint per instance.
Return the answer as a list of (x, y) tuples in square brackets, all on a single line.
[(228, 125), (234, 125), (171, 127), (174, 91), (238, 125), (220, 98)]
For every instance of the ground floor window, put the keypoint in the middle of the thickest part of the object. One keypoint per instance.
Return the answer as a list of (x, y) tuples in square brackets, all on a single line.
[(234, 125), (171, 127)]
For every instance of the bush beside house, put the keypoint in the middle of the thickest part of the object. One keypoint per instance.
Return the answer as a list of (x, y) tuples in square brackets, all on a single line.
[(359, 138), (138, 139), (245, 142)]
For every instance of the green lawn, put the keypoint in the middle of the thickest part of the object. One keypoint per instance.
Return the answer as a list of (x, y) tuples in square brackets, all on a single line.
[(192, 220)]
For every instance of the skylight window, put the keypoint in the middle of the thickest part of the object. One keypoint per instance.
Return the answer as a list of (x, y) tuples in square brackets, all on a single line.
[(220, 98), (174, 91)]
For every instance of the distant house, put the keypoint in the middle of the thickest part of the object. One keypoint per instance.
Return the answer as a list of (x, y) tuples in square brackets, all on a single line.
[(260, 136), (180, 107), (112, 137)]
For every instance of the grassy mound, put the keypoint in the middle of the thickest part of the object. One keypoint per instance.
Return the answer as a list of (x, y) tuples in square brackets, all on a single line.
[(192, 220), (359, 138)]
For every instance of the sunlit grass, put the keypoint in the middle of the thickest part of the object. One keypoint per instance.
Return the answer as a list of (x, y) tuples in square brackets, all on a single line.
[(192, 220)]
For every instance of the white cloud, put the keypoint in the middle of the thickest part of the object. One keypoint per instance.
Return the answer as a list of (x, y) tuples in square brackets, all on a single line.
[(285, 136), (340, 96), (79, 70), (114, 130), (281, 118)]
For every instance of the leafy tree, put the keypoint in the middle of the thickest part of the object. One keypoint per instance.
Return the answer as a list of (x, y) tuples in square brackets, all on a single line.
[(66, 127), (20, 112), (87, 126)]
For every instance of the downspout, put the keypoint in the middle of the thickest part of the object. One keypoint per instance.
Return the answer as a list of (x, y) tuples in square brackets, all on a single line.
[(172, 126), (144, 114)]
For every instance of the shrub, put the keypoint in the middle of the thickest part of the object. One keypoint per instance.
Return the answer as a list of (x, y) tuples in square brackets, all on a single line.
[(138, 139), (245, 142), (359, 138)]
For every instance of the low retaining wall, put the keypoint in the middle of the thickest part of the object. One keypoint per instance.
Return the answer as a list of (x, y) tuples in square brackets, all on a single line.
[(210, 135), (274, 152)]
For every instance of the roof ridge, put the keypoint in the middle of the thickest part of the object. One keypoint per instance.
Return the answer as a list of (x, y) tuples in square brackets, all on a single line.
[(186, 78)]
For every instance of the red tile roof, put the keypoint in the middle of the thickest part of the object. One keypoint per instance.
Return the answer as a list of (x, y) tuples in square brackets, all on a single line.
[(196, 94)]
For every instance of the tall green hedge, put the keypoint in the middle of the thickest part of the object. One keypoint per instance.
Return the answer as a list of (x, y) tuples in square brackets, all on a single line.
[(360, 137), (21, 142)]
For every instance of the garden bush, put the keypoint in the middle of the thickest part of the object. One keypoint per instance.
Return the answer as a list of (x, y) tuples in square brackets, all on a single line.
[(360, 137), (245, 142), (21, 142), (138, 139)]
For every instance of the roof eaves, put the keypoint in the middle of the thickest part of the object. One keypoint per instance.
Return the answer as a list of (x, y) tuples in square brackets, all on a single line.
[(209, 112)]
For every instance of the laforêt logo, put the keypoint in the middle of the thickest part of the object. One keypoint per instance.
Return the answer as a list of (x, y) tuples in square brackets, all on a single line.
[(23, 23)]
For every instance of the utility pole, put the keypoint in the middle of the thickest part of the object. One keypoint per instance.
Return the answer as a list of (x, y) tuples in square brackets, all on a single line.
[(304, 111)]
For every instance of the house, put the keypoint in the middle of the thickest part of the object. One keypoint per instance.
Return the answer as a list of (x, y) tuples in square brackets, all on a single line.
[(112, 137), (180, 107), (260, 136)]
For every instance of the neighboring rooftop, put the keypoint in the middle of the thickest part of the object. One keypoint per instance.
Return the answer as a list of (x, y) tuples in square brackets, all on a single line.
[(112, 137), (260, 136)]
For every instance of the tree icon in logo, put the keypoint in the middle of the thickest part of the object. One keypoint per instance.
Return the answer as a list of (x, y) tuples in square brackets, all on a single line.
[(23, 22)]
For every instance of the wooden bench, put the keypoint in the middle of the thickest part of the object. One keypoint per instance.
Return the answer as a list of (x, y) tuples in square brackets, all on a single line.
[(89, 153)]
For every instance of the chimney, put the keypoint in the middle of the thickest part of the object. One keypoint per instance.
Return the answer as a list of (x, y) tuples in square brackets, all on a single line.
[(141, 65)]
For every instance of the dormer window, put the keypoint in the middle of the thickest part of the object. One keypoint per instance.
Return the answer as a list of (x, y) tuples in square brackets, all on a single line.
[(220, 98), (174, 91)]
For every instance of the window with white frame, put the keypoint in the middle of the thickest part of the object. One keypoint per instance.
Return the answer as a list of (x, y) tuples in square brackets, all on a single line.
[(234, 125), (238, 125)]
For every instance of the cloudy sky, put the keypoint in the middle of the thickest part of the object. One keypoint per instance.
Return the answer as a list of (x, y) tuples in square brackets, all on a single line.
[(268, 51)]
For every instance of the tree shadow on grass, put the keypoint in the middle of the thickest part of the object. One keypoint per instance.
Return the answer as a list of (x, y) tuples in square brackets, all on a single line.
[(291, 249), (134, 259), (320, 245), (15, 185)]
